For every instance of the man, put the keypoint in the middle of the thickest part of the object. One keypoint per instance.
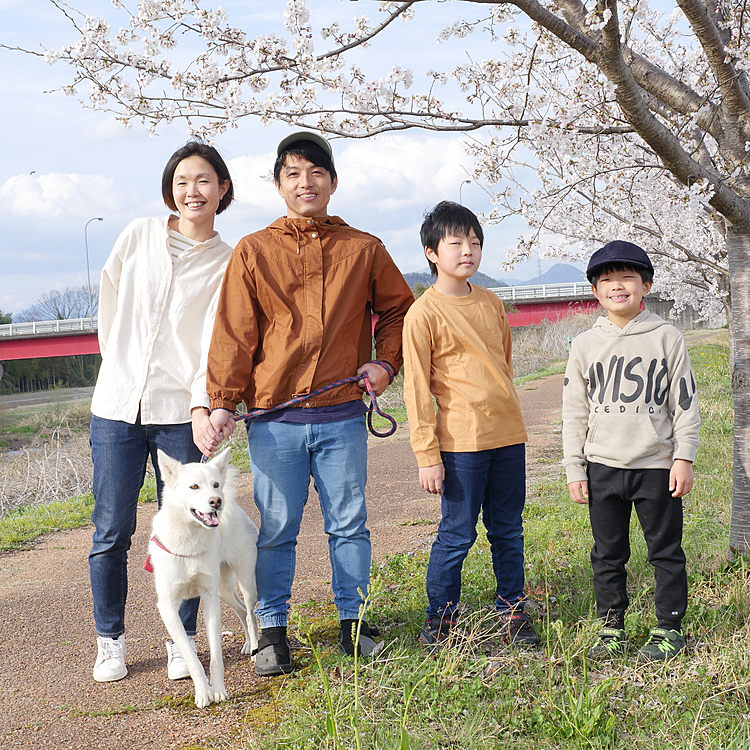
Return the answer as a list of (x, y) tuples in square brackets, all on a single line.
[(295, 314)]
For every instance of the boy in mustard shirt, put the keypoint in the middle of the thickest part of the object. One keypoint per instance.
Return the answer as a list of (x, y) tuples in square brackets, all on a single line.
[(457, 348)]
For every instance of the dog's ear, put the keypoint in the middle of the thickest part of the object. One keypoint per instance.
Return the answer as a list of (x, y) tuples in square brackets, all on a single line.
[(221, 461), (168, 468)]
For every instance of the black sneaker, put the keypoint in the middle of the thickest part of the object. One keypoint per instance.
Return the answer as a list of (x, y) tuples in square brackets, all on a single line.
[(436, 632), (366, 646), (662, 645), (274, 654), (516, 628), (610, 644)]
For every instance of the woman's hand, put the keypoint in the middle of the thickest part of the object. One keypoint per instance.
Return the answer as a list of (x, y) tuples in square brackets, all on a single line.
[(205, 434), (223, 422)]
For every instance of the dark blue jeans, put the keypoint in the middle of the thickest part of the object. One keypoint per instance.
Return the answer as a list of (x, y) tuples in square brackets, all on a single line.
[(493, 481), (119, 451)]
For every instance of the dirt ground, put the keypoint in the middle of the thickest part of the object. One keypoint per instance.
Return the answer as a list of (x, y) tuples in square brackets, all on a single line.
[(48, 698)]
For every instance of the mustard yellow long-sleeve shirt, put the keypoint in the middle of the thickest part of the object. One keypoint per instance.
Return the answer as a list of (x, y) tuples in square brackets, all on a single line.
[(458, 349)]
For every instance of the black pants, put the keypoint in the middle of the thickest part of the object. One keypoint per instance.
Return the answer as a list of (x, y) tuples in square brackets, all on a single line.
[(612, 493)]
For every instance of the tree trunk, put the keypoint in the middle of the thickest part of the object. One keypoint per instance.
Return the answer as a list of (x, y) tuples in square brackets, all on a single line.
[(730, 330), (738, 245)]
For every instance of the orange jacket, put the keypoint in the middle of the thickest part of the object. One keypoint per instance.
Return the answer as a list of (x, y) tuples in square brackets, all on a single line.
[(295, 313)]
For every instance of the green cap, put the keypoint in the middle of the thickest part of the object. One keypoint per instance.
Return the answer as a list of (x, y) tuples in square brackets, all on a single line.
[(303, 135)]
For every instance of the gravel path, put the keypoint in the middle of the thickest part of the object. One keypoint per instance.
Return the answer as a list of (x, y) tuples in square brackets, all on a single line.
[(47, 642)]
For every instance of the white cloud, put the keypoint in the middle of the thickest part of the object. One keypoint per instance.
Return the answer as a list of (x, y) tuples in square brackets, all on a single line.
[(54, 195), (393, 172), (251, 184)]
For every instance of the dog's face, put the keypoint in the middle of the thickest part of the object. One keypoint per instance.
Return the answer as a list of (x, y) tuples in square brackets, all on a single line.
[(196, 488)]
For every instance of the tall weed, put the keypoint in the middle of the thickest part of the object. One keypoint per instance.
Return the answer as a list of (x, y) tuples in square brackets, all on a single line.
[(537, 347)]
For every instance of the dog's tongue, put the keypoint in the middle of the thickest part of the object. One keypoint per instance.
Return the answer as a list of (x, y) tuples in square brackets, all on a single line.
[(210, 519)]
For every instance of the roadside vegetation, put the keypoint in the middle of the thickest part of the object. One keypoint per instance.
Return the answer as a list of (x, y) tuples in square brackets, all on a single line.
[(75, 371)]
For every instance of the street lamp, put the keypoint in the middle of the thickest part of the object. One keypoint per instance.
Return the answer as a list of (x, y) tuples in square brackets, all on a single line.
[(88, 272), (460, 188)]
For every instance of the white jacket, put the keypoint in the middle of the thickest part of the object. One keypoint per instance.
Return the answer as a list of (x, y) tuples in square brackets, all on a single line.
[(629, 398), (155, 324)]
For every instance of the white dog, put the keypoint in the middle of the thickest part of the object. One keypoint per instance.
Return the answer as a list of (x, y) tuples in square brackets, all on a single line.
[(203, 544)]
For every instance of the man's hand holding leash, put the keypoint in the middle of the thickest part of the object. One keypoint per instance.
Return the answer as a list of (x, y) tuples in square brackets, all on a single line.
[(380, 378)]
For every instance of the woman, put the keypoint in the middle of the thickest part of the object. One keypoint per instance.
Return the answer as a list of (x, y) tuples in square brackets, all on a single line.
[(158, 296)]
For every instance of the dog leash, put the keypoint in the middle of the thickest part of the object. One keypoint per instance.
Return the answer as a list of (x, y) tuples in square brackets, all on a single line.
[(352, 379), (374, 407)]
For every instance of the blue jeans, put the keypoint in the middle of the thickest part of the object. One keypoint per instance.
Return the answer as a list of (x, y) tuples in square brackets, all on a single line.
[(493, 481), (119, 451), (283, 456)]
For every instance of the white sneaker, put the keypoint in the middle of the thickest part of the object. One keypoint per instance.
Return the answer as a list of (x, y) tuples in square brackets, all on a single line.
[(110, 661), (177, 668)]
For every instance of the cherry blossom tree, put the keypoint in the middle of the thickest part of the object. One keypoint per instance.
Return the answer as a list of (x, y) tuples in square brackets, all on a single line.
[(594, 120)]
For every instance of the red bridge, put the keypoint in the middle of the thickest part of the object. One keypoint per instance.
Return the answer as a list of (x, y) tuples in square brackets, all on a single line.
[(530, 305), (48, 338), (527, 305)]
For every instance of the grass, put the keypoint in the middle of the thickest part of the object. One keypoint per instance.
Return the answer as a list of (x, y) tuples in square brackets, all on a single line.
[(481, 695), (24, 524)]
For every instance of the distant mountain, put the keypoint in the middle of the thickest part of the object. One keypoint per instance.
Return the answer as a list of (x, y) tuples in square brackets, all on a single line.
[(560, 273), (479, 278)]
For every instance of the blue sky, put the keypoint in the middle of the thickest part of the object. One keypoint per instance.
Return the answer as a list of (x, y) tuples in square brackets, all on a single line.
[(63, 165)]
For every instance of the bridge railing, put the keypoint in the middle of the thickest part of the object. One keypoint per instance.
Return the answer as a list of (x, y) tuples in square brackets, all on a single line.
[(543, 291), (40, 327)]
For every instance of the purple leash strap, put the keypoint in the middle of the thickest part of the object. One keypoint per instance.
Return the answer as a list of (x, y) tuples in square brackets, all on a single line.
[(338, 383)]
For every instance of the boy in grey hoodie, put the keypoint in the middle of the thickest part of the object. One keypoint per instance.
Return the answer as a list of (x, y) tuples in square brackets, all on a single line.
[(630, 435)]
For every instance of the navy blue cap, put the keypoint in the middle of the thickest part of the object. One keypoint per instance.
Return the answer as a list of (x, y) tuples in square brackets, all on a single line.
[(618, 251)]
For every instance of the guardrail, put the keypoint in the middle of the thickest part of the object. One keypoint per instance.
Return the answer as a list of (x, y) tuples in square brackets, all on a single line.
[(45, 327), (544, 291)]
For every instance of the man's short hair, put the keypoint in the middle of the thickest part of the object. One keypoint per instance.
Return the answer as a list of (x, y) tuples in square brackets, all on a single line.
[(307, 149), (448, 218)]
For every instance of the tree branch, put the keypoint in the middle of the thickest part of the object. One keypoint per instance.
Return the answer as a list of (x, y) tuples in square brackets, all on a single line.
[(710, 38)]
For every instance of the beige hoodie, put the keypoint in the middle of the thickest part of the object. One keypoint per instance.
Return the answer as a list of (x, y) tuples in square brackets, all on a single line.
[(629, 398)]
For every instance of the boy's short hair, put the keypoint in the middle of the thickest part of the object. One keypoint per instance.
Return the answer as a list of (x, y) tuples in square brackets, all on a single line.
[(310, 146), (448, 218), (644, 273), (619, 255)]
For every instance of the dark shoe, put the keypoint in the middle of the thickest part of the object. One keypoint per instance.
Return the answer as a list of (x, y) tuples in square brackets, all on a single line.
[(516, 628), (366, 646), (274, 655), (662, 645), (611, 643), (436, 632)]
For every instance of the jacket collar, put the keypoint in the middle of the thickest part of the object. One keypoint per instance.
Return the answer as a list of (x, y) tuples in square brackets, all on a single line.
[(294, 226)]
